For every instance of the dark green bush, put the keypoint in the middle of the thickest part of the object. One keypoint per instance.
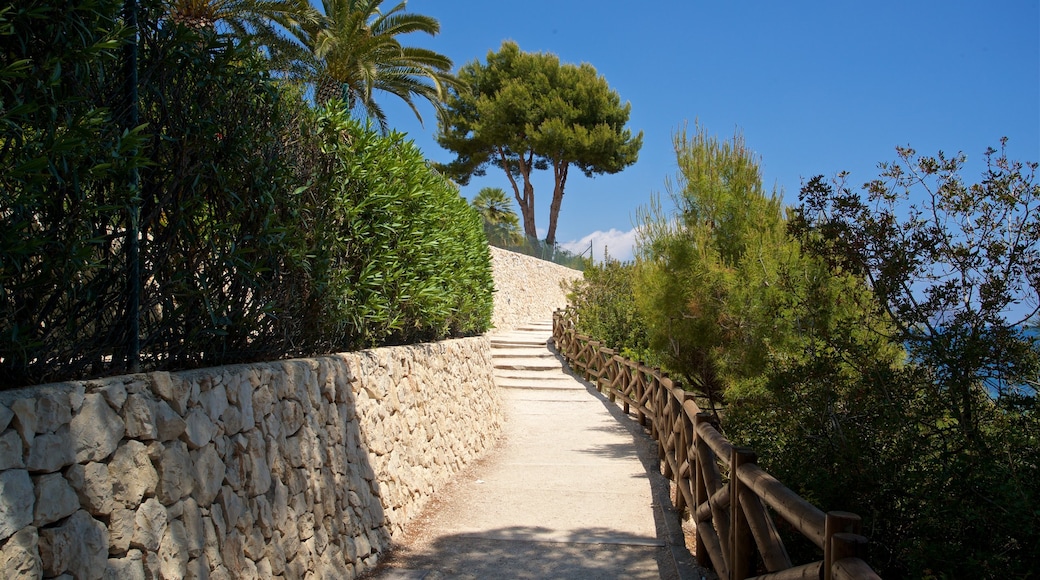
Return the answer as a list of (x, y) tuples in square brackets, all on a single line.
[(225, 258), (65, 164), (267, 229)]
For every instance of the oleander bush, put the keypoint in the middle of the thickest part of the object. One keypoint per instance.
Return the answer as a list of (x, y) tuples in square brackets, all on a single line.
[(266, 228), (65, 164), (407, 255)]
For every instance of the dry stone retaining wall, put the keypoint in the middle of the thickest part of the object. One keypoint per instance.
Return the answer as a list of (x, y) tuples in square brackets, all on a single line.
[(527, 288), (294, 469)]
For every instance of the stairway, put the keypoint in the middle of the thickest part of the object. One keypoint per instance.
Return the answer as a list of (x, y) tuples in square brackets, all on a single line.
[(523, 359)]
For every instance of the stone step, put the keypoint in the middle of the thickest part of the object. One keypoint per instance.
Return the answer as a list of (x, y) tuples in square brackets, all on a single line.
[(525, 338), (506, 353), (550, 383), (529, 374), (527, 364)]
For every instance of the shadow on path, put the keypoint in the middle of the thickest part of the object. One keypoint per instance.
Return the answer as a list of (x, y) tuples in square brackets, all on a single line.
[(666, 520), (530, 535), (524, 552)]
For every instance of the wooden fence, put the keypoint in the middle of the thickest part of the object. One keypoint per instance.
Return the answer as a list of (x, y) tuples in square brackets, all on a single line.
[(736, 531)]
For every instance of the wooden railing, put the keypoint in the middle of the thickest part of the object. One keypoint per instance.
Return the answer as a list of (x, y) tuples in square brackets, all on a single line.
[(736, 531)]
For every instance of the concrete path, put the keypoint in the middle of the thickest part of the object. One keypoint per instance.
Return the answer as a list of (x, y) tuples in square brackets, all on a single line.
[(572, 491)]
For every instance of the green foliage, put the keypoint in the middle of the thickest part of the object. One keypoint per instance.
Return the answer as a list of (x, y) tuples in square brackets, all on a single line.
[(266, 229), (273, 27), (64, 169), (955, 267), (605, 300), (500, 222), (840, 344), (407, 253), (223, 255), (524, 111), (355, 50), (726, 293)]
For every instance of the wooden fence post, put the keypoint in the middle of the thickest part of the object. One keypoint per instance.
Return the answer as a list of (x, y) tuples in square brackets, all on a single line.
[(679, 452), (741, 543), (845, 545), (700, 489), (837, 523)]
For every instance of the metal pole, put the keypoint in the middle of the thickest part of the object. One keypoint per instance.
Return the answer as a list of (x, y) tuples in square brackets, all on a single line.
[(133, 322)]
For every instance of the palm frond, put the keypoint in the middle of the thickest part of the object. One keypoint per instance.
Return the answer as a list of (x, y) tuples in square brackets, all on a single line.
[(358, 45)]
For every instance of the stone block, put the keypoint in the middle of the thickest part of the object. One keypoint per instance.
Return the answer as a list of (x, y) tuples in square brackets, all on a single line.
[(93, 485), (211, 544), (20, 556), (79, 547), (175, 390), (50, 452), (176, 473), (139, 416), (121, 526), (55, 499), (199, 429), (16, 501), (169, 424), (259, 472), (135, 475), (11, 451), (6, 414), (173, 551), (263, 400), (95, 429), (198, 569), (53, 410), (114, 392), (150, 523), (129, 567), (193, 526), (209, 474), (25, 418), (233, 506), (214, 401)]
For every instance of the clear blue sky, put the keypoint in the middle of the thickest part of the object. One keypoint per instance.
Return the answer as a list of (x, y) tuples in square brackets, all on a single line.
[(815, 87)]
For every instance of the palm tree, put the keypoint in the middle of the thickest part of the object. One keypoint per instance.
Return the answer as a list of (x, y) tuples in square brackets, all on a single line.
[(272, 26), (501, 223), (356, 51)]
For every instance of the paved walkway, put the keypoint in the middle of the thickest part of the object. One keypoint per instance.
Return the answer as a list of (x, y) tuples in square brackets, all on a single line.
[(572, 491)]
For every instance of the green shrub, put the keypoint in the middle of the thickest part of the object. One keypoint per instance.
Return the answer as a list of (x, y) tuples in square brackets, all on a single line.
[(65, 164), (224, 254), (813, 373), (406, 253), (267, 229), (606, 308)]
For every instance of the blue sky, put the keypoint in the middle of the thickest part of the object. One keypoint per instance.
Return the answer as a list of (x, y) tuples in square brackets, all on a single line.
[(815, 87)]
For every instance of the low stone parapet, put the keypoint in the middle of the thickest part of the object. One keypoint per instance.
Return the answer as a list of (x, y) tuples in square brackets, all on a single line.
[(287, 469)]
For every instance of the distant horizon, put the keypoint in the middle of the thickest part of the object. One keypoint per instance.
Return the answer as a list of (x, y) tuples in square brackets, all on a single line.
[(819, 88)]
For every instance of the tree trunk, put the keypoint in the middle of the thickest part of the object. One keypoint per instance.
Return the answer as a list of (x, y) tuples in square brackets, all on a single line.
[(530, 231), (525, 201), (560, 177)]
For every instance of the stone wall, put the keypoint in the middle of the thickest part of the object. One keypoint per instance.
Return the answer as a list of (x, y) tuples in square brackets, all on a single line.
[(303, 468), (526, 288)]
